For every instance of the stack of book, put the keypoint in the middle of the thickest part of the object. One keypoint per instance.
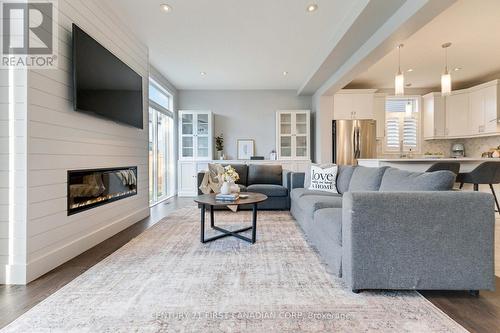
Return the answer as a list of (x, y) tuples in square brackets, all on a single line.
[(227, 197)]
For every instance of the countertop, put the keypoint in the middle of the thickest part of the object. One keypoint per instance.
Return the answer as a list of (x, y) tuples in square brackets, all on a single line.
[(423, 159)]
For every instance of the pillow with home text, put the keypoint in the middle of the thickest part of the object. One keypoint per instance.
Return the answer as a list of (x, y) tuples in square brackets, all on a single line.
[(323, 178)]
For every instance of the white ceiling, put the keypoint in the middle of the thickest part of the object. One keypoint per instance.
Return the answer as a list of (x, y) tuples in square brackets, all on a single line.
[(240, 44), (472, 26)]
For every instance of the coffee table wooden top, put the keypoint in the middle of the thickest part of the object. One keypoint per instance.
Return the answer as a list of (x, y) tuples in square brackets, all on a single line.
[(209, 199)]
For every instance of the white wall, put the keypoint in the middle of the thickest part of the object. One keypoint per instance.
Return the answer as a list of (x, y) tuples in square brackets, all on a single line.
[(60, 139), (244, 114)]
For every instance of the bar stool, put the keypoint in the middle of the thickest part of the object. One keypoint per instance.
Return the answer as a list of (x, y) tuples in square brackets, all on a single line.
[(484, 173), (450, 166)]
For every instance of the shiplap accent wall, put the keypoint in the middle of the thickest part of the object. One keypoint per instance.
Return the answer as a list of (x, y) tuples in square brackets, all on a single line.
[(60, 139)]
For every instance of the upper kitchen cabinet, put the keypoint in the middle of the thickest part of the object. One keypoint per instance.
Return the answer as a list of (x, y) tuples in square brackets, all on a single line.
[(195, 135), (457, 114), (354, 104), (433, 116), (483, 109)]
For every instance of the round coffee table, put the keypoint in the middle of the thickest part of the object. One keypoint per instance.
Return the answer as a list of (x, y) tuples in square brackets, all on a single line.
[(210, 201)]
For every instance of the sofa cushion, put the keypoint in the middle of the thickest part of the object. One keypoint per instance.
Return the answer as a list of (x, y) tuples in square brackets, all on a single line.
[(265, 174), (311, 203), (297, 193), (366, 179), (329, 222), (402, 180), (344, 177), (242, 170), (269, 190), (243, 188)]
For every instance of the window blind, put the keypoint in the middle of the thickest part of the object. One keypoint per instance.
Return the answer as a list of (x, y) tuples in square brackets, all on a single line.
[(401, 124)]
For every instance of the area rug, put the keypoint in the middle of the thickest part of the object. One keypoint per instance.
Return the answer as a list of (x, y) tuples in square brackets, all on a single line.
[(165, 280)]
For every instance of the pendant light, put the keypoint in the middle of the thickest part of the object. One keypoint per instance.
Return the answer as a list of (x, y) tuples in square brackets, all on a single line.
[(399, 79), (446, 77)]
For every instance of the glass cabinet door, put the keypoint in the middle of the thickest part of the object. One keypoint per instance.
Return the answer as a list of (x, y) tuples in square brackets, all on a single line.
[(285, 128), (187, 135), (202, 135), (300, 136)]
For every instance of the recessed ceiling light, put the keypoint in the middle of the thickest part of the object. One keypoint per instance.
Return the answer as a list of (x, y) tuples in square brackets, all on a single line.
[(285, 73), (410, 70), (457, 68), (166, 8), (312, 7), (408, 84), (203, 73)]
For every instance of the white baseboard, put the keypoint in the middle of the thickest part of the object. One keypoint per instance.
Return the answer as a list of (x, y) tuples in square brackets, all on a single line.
[(43, 264), (13, 274)]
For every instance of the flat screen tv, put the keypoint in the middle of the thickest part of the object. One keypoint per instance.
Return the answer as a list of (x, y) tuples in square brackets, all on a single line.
[(103, 84)]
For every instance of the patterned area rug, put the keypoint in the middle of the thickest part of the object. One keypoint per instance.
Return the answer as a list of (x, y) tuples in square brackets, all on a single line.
[(165, 280)]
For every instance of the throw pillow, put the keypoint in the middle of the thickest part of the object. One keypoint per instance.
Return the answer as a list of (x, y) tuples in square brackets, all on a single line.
[(323, 178)]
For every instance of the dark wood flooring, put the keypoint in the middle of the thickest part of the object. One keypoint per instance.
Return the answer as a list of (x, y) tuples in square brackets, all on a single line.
[(476, 314)]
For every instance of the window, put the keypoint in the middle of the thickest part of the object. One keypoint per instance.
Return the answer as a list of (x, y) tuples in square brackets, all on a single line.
[(402, 125), (161, 143)]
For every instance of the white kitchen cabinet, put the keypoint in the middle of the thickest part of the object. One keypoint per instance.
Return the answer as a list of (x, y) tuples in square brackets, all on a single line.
[(476, 112), (433, 112), (483, 109), (379, 115), (293, 134), (491, 108), (457, 114), (354, 104), (195, 135)]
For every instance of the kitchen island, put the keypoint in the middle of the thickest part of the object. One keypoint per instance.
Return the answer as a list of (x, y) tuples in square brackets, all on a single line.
[(422, 164)]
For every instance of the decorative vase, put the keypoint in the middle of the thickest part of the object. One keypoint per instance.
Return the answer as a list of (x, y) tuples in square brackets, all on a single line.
[(220, 154), (225, 188)]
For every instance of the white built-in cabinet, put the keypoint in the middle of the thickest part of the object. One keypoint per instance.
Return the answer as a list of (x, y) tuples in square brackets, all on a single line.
[(354, 104), (195, 144), (293, 134), (361, 104), (457, 113), (472, 112), (483, 109), (195, 135), (433, 114)]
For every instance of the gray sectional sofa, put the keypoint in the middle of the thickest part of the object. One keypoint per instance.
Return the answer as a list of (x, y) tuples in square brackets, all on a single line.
[(393, 229)]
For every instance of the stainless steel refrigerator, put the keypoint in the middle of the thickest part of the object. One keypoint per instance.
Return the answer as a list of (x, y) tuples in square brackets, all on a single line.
[(353, 139)]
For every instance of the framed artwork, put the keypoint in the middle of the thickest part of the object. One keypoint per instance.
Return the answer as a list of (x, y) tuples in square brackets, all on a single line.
[(245, 149)]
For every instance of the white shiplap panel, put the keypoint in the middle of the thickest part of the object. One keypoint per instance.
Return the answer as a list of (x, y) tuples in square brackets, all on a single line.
[(71, 231), (61, 139), (87, 123)]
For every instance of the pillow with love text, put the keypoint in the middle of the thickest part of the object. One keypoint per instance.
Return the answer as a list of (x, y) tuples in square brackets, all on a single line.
[(323, 178)]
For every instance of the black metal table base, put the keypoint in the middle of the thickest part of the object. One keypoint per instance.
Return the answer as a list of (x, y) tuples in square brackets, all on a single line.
[(227, 233)]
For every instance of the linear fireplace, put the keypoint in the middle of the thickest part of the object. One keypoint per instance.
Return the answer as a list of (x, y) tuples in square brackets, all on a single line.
[(91, 188)]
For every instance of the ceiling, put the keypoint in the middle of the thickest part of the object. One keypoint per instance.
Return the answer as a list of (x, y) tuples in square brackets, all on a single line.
[(239, 44), (472, 27)]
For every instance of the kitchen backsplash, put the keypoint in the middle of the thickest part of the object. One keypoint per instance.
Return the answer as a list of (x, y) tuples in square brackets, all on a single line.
[(474, 147)]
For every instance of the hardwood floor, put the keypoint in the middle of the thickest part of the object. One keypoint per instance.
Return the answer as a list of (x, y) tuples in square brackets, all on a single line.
[(476, 314)]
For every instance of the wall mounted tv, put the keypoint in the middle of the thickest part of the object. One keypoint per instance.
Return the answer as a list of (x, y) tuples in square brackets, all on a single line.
[(103, 84)]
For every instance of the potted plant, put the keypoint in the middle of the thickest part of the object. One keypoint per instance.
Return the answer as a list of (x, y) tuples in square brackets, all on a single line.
[(219, 146)]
